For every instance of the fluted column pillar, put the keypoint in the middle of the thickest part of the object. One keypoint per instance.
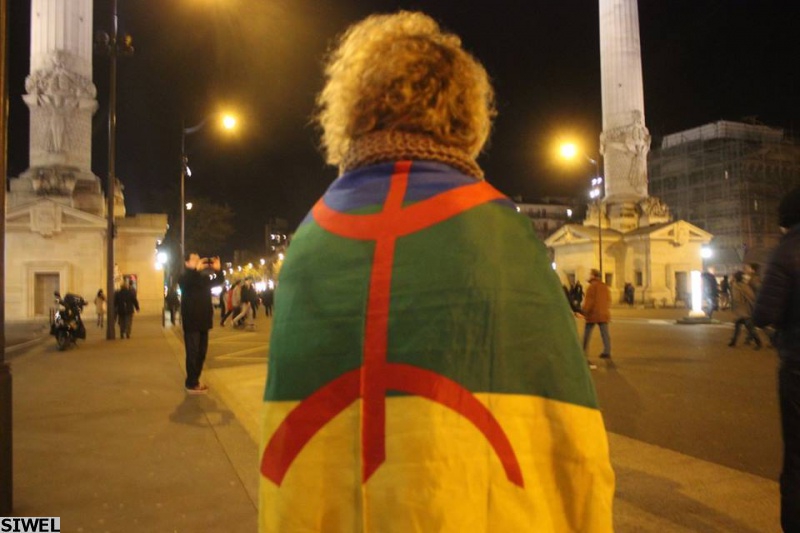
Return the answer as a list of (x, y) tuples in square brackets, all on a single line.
[(625, 140)]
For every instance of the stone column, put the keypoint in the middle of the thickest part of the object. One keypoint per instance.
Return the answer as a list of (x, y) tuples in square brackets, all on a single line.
[(625, 140), (60, 93)]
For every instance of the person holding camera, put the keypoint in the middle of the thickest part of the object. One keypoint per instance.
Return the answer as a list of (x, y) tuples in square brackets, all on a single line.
[(197, 314)]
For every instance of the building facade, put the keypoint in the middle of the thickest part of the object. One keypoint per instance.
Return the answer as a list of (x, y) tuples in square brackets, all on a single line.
[(728, 178), (546, 215), (56, 220)]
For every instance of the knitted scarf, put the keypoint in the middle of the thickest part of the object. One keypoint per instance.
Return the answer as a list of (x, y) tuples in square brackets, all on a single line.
[(383, 146)]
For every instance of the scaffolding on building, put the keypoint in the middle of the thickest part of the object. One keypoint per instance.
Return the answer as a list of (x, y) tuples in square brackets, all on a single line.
[(727, 178)]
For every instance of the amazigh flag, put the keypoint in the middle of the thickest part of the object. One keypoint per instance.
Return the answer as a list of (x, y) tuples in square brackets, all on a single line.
[(425, 373)]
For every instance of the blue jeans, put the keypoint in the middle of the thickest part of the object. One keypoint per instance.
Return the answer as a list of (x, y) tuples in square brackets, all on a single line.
[(587, 334)]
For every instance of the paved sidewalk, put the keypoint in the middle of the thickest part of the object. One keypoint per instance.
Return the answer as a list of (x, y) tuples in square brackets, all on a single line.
[(106, 438), (24, 334)]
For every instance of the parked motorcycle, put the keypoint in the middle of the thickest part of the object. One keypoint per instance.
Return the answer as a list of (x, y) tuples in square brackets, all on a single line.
[(66, 324)]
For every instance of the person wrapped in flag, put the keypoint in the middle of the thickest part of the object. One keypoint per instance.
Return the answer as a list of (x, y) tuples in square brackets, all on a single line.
[(425, 372)]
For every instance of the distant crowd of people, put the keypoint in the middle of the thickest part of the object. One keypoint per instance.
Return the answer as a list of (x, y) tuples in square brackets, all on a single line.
[(238, 304)]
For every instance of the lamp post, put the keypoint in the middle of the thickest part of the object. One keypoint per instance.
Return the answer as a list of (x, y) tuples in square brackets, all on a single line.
[(228, 122), (596, 193), (570, 151), (111, 46)]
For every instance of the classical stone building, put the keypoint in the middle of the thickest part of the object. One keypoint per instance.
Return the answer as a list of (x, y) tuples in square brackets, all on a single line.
[(627, 234), (55, 218), (547, 214), (656, 259)]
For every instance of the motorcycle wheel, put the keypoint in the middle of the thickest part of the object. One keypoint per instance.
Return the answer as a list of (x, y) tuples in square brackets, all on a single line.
[(62, 340)]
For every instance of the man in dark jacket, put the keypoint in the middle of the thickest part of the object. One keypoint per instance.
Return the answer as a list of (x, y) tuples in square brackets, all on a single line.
[(778, 304), (197, 314), (125, 303), (173, 303)]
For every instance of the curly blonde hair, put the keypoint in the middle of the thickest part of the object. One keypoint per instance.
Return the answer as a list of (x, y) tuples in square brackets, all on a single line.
[(401, 72)]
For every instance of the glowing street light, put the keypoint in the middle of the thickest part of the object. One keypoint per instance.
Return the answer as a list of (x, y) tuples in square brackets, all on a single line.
[(229, 123), (570, 151)]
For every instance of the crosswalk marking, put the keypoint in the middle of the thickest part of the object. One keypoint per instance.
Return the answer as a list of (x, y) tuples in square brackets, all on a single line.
[(261, 350)]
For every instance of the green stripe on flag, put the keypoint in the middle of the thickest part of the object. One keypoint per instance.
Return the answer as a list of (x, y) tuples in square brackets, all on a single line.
[(503, 330)]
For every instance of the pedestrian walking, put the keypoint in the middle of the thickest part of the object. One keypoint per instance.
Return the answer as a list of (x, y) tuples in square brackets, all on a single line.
[(172, 302), (391, 284), (100, 307), (628, 293), (596, 311), (197, 314), (725, 293), (577, 295), (710, 289), (125, 304), (268, 299), (752, 273), (247, 297), (742, 302), (778, 305), (569, 300), (232, 303), (223, 304)]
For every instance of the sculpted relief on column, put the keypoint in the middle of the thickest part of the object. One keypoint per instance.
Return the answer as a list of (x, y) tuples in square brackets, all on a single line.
[(631, 143), (60, 96)]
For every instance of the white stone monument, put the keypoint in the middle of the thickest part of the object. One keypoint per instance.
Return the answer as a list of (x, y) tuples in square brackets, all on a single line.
[(62, 99), (55, 218), (633, 232), (625, 140)]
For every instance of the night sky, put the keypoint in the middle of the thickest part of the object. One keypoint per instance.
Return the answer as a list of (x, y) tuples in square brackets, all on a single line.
[(703, 60)]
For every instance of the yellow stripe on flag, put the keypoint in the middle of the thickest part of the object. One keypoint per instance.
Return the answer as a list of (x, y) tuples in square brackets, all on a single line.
[(441, 474)]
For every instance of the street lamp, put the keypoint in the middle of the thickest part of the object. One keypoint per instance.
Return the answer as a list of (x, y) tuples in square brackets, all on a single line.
[(229, 123), (596, 194), (112, 46), (570, 151)]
